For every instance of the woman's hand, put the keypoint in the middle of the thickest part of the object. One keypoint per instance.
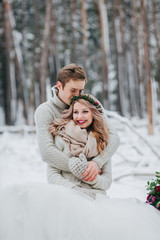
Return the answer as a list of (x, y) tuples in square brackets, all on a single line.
[(78, 165), (91, 173)]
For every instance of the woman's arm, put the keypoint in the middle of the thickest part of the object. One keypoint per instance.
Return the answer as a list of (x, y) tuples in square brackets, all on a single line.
[(54, 176)]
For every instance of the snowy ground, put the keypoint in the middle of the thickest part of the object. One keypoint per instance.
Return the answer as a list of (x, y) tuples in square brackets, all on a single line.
[(134, 163)]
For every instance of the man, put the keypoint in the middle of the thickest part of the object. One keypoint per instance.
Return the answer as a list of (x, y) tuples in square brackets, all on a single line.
[(71, 81)]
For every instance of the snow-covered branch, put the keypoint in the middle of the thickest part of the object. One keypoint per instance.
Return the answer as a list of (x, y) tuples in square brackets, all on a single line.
[(128, 123)]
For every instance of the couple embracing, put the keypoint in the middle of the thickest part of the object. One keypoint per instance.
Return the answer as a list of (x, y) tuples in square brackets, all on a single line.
[(77, 141), (80, 141)]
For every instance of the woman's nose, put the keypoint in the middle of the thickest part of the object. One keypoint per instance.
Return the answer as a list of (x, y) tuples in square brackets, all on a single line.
[(80, 115)]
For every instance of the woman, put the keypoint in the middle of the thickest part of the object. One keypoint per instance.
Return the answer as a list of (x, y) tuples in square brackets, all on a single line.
[(51, 211), (81, 134)]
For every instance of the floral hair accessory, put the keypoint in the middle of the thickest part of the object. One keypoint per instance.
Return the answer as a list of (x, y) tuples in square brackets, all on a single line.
[(153, 188), (89, 99)]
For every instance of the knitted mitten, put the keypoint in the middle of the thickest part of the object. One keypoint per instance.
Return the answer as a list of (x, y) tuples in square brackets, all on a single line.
[(88, 192), (78, 165)]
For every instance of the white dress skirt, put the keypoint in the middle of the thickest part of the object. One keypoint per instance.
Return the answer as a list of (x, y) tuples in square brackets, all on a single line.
[(53, 212)]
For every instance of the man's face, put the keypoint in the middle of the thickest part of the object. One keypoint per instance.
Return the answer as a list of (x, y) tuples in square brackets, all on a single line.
[(71, 88)]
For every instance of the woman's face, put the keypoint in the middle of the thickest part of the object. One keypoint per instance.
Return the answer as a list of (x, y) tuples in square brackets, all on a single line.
[(82, 115)]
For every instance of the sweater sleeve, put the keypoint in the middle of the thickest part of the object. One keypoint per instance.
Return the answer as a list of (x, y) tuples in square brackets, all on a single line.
[(104, 180), (54, 176), (113, 143), (49, 152)]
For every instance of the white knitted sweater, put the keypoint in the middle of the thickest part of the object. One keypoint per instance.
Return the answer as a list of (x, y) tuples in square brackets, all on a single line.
[(56, 176), (44, 116)]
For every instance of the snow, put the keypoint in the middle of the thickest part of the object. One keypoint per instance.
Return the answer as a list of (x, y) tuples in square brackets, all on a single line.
[(20, 160), (133, 164)]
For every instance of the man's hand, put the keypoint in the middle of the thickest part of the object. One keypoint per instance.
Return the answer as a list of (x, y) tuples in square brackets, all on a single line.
[(91, 173)]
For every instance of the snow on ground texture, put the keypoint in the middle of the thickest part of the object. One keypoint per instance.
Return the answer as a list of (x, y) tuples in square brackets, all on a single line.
[(133, 164)]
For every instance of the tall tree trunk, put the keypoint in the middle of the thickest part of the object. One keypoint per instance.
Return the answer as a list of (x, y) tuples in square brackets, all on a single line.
[(9, 65), (66, 32), (140, 90), (104, 41), (54, 64), (132, 81), (73, 24), (155, 23), (121, 59), (44, 53), (21, 79), (84, 32), (157, 38), (34, 95), (147, 65)]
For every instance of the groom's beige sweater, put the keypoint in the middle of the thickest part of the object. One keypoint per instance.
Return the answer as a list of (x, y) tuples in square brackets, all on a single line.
[(44, 116)]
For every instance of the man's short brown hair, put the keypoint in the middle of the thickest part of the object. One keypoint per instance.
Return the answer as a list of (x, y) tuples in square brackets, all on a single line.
[(71, 71)]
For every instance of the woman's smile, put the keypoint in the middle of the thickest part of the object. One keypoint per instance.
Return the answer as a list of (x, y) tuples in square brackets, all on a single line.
[(81, 121)]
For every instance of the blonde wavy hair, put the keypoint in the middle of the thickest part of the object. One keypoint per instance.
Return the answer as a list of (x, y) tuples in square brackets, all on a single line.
[(97, 127)]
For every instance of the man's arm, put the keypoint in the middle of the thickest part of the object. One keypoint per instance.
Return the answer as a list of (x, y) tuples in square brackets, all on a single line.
[(96, 164), (113, 143), (54, 176), (49, 152)]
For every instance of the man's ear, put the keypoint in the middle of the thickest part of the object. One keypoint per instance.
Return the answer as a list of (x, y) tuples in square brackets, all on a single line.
[(59, 85)]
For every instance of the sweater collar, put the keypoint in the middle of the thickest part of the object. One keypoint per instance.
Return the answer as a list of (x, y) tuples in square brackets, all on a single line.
[(56, 100)]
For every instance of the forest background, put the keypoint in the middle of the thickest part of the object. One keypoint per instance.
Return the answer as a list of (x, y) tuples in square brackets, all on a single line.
[(116, 42)]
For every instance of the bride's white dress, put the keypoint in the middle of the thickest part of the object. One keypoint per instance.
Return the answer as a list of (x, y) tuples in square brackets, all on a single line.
[(53, 212)]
